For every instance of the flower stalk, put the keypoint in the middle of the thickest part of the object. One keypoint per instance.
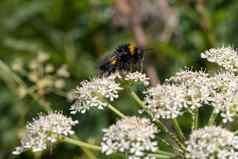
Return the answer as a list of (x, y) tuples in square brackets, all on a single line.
[(161, 156), (212, 118), (195, 114), (178, 129), (165, 153), (159, 123), (81, 144), (116, 111)]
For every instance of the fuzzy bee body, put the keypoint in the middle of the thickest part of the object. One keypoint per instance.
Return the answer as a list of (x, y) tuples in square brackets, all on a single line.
[(123, 59)]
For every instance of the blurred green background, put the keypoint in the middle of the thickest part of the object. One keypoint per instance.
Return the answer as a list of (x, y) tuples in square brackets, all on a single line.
[(79, 33)]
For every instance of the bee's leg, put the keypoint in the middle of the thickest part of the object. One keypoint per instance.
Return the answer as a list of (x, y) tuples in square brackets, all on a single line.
[(141, 65), (125, 67), (137, 65), (120, 67), (110, 70), (114, 69), (100, 74), (107, 73), (129, 67)]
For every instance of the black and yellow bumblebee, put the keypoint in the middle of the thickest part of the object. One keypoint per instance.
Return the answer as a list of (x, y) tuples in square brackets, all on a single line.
[(124, 58)]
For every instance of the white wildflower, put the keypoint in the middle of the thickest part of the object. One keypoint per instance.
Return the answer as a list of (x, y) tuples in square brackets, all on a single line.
[(17, 65), (137, 77), (59, 83), (33, 76), (224, 56), (42, 57), (115, 76), (197, 87), (92, 94), (224, 95), (212, 142), (131, 135), (165, 101), (63, 71), (21, 91), (45, 130), (49, 68)]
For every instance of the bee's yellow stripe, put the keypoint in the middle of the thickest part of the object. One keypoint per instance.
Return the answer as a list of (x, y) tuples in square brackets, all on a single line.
[(131, 48), (113, 60)]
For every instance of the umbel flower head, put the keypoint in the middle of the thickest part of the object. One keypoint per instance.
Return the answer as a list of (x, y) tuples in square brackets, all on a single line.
[(165, 101), (137, 77), (225, 95), (44, 130), (197, 87), (131, 135), (91, 94), (212, 142), (224, 56)]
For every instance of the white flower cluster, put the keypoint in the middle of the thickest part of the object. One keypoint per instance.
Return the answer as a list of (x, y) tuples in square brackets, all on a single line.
[(45, 130), (92, 93), (131, 135), (165, 101), (44, 76), (137, 77), (225, 57), (224, 97), (219, 91), (212, 142), (188, 89), (197, 87)]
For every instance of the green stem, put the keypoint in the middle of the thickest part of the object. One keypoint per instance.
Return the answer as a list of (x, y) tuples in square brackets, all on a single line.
[(161, 156), (168, 144), (164, 141), (116, 111), (88, 153), (178, 129), (81, 144), (138, 100), (158, 122), (195, 119), (212, 118), (170, 134), (165, 153)]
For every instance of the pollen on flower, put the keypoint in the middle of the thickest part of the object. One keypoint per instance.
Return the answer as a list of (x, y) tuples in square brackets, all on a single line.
[(132, 135), (224, 56), (44, 130), (137, 77), (165, 101), (92, 94), (212, 142)]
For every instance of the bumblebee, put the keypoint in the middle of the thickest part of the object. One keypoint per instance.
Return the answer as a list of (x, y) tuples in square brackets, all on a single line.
[(124, 58)]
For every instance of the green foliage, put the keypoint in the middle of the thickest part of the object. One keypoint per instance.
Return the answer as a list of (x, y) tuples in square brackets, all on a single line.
[(79, 33)]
